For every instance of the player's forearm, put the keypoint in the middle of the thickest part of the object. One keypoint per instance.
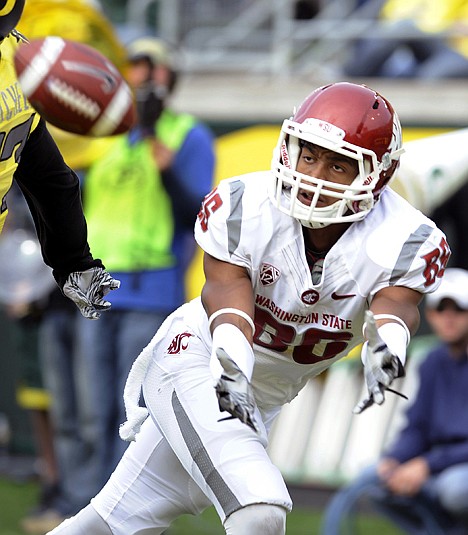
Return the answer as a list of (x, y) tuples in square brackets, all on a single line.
[(52, 192), (400, 302)]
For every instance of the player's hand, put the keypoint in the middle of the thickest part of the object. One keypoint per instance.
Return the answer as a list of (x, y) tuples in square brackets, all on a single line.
[(149, 103), (380, 369), (87, 290), (235, 392)]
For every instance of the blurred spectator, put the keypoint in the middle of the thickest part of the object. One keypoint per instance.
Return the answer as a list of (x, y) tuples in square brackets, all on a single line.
[(141, 200), (428, 43), (421, 482), (35, 400), (25, 282)]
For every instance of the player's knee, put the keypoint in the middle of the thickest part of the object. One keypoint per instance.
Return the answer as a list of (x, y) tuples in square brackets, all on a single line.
[(87, 521), (261, 519)]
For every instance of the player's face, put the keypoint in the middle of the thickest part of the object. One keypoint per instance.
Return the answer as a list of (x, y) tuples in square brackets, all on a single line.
[(140, 72), (327, 165)]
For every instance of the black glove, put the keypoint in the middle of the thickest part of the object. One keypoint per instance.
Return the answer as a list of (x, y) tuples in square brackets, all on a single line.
[(235, 392), (150, 104), (380, 369), (87, 290)]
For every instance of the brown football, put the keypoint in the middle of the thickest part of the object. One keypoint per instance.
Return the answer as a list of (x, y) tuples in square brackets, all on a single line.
[(74, 87)]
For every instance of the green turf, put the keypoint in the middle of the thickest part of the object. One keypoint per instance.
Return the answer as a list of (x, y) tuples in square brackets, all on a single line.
[(17, 498), (300, 522)]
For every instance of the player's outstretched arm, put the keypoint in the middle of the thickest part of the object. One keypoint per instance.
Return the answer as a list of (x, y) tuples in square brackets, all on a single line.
[(228, 300)]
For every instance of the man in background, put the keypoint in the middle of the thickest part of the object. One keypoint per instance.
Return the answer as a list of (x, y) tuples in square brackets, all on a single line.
[(421, 482)]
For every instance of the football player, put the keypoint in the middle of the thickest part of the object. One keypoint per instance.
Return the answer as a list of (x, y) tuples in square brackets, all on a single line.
[(29, 155), (302, 263)]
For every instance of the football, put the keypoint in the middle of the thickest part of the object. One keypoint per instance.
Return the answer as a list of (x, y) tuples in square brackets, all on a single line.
[(74, 87)]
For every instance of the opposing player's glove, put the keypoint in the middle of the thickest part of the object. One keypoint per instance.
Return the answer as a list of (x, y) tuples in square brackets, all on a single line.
[(87, 290), (235, 392), (380, 369)]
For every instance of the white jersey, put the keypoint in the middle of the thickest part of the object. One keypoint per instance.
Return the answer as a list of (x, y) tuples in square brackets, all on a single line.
[(302, 327), (190, 455)]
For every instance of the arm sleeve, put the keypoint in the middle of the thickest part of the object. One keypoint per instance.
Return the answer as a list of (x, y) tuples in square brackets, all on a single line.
[(52, 192)]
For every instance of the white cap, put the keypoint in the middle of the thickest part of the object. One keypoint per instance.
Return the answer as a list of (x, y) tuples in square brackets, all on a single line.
[(454, 286), (156, 50)]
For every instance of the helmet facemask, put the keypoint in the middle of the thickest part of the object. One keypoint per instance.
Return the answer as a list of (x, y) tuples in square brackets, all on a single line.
[(353, 201)]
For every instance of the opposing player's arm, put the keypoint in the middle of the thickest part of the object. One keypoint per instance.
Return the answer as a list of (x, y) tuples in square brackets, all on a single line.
[(227, 286)]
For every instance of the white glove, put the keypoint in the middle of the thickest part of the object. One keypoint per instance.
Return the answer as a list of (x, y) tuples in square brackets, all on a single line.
[(87, 290), (381, 367), (235, 392)]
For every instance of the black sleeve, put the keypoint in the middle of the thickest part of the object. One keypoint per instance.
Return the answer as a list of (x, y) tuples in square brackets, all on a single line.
[(52, 191)]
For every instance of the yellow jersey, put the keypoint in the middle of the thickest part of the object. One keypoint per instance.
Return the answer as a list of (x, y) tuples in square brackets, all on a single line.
[(17, 119)]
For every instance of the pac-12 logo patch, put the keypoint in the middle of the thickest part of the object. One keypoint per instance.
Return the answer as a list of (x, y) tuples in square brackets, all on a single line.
[(269, 274), (179, 343)]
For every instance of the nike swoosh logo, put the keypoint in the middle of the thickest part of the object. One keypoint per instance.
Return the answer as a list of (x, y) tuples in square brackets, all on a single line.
[(337, 297)]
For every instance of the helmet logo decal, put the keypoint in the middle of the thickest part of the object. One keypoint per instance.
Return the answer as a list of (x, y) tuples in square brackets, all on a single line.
[(327, 127), (319, 125), (285, 155), (7, 8), (269, 274)]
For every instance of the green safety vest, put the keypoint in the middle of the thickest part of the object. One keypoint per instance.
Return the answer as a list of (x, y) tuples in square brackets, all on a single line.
[(129, 213)]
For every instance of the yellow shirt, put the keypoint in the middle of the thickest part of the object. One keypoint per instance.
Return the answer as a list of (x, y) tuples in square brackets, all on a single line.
[(17, 119)]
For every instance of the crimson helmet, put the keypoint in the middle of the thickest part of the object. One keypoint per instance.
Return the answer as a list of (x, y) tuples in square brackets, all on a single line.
[(349, 119), (10, 14)]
